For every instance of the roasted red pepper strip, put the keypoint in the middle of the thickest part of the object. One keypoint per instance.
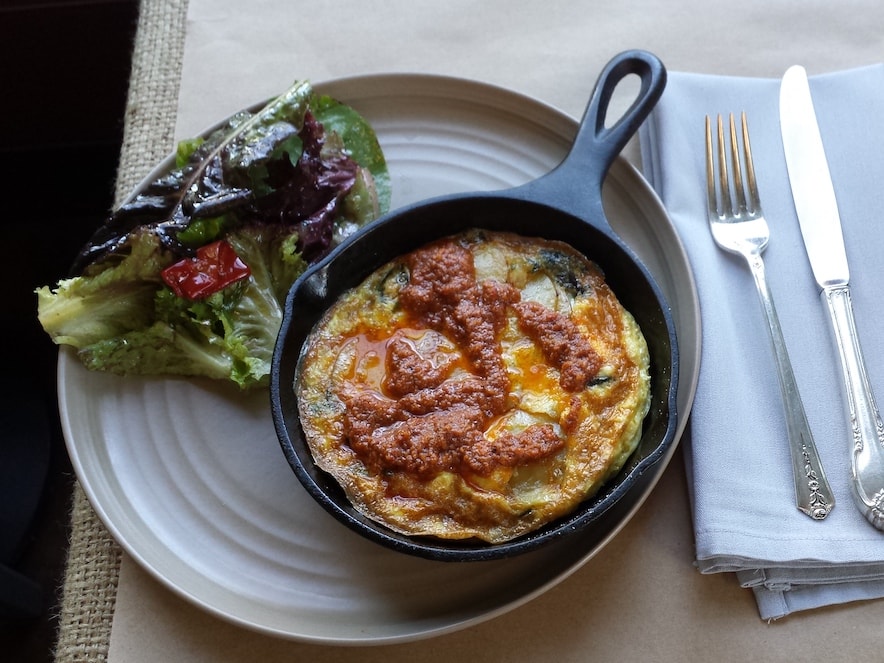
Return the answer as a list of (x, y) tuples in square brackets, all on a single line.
[(215, 266)]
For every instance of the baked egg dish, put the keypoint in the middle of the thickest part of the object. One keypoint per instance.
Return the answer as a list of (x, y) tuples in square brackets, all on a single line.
[(480, 387)]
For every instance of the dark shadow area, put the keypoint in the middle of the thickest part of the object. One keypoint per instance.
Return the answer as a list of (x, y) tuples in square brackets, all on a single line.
[(64, 85)]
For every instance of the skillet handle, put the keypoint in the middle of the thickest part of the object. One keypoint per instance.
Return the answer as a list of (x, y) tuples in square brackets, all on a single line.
[(576, 183), (597, 145)]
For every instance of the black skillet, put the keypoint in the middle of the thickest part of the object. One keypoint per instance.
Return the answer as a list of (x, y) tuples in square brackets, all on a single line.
[(565, 205)]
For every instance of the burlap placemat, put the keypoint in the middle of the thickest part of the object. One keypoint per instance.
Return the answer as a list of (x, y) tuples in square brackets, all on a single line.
[(93, 563)]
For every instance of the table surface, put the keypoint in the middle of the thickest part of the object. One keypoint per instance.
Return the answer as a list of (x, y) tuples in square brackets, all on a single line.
[(640, 597)]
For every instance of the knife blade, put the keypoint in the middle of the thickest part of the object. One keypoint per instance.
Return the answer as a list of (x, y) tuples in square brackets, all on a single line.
[(811, 181), (817, 209)]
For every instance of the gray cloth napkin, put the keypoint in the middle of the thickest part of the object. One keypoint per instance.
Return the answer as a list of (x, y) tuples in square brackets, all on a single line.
[(745, 519)]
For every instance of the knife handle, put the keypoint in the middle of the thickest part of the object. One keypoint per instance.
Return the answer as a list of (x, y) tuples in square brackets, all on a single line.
[(867, 468)]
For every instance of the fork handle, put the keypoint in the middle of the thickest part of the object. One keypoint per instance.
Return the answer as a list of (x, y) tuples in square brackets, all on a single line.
[(813, 495), (867, 468)]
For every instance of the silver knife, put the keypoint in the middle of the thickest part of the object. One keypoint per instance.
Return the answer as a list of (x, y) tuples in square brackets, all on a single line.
[(820, 223)]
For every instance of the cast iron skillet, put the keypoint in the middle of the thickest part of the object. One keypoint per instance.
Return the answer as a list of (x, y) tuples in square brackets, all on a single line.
[(565, 205)]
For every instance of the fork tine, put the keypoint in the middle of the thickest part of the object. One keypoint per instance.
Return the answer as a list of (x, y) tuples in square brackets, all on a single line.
[(711, 194), (739, 194), (725, 203), (754, 199)]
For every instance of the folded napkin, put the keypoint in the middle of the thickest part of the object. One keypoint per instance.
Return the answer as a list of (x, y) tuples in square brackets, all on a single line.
[(741, 488)]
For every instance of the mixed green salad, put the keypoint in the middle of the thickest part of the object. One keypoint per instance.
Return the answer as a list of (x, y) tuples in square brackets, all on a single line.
[(189, 276)]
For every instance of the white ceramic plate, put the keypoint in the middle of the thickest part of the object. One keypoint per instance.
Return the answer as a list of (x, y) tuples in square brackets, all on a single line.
[(189, 477)]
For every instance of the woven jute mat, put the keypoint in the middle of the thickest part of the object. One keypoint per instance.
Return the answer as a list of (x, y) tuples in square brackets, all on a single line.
[(93, 563)]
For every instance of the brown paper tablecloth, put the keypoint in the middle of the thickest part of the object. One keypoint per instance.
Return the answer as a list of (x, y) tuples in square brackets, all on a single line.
[(93, 563)]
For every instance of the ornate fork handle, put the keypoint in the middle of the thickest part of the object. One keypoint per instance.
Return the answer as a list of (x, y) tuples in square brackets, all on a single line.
[(813, 494), (868, 431)]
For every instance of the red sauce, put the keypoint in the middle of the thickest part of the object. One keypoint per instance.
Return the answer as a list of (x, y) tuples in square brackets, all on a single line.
[(407, 371), (562, 344), (425, 422)]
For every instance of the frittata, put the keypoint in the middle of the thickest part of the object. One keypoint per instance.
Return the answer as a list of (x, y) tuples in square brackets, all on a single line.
[(479, 387)]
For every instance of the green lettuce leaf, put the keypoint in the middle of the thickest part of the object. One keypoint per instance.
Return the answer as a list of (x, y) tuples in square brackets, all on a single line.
[(281, 186)]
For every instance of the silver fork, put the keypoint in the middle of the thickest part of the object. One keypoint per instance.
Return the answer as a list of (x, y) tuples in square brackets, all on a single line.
[(738, 226)]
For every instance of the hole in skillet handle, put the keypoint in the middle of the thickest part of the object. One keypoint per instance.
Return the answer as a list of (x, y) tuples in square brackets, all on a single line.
[(564, 205)]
